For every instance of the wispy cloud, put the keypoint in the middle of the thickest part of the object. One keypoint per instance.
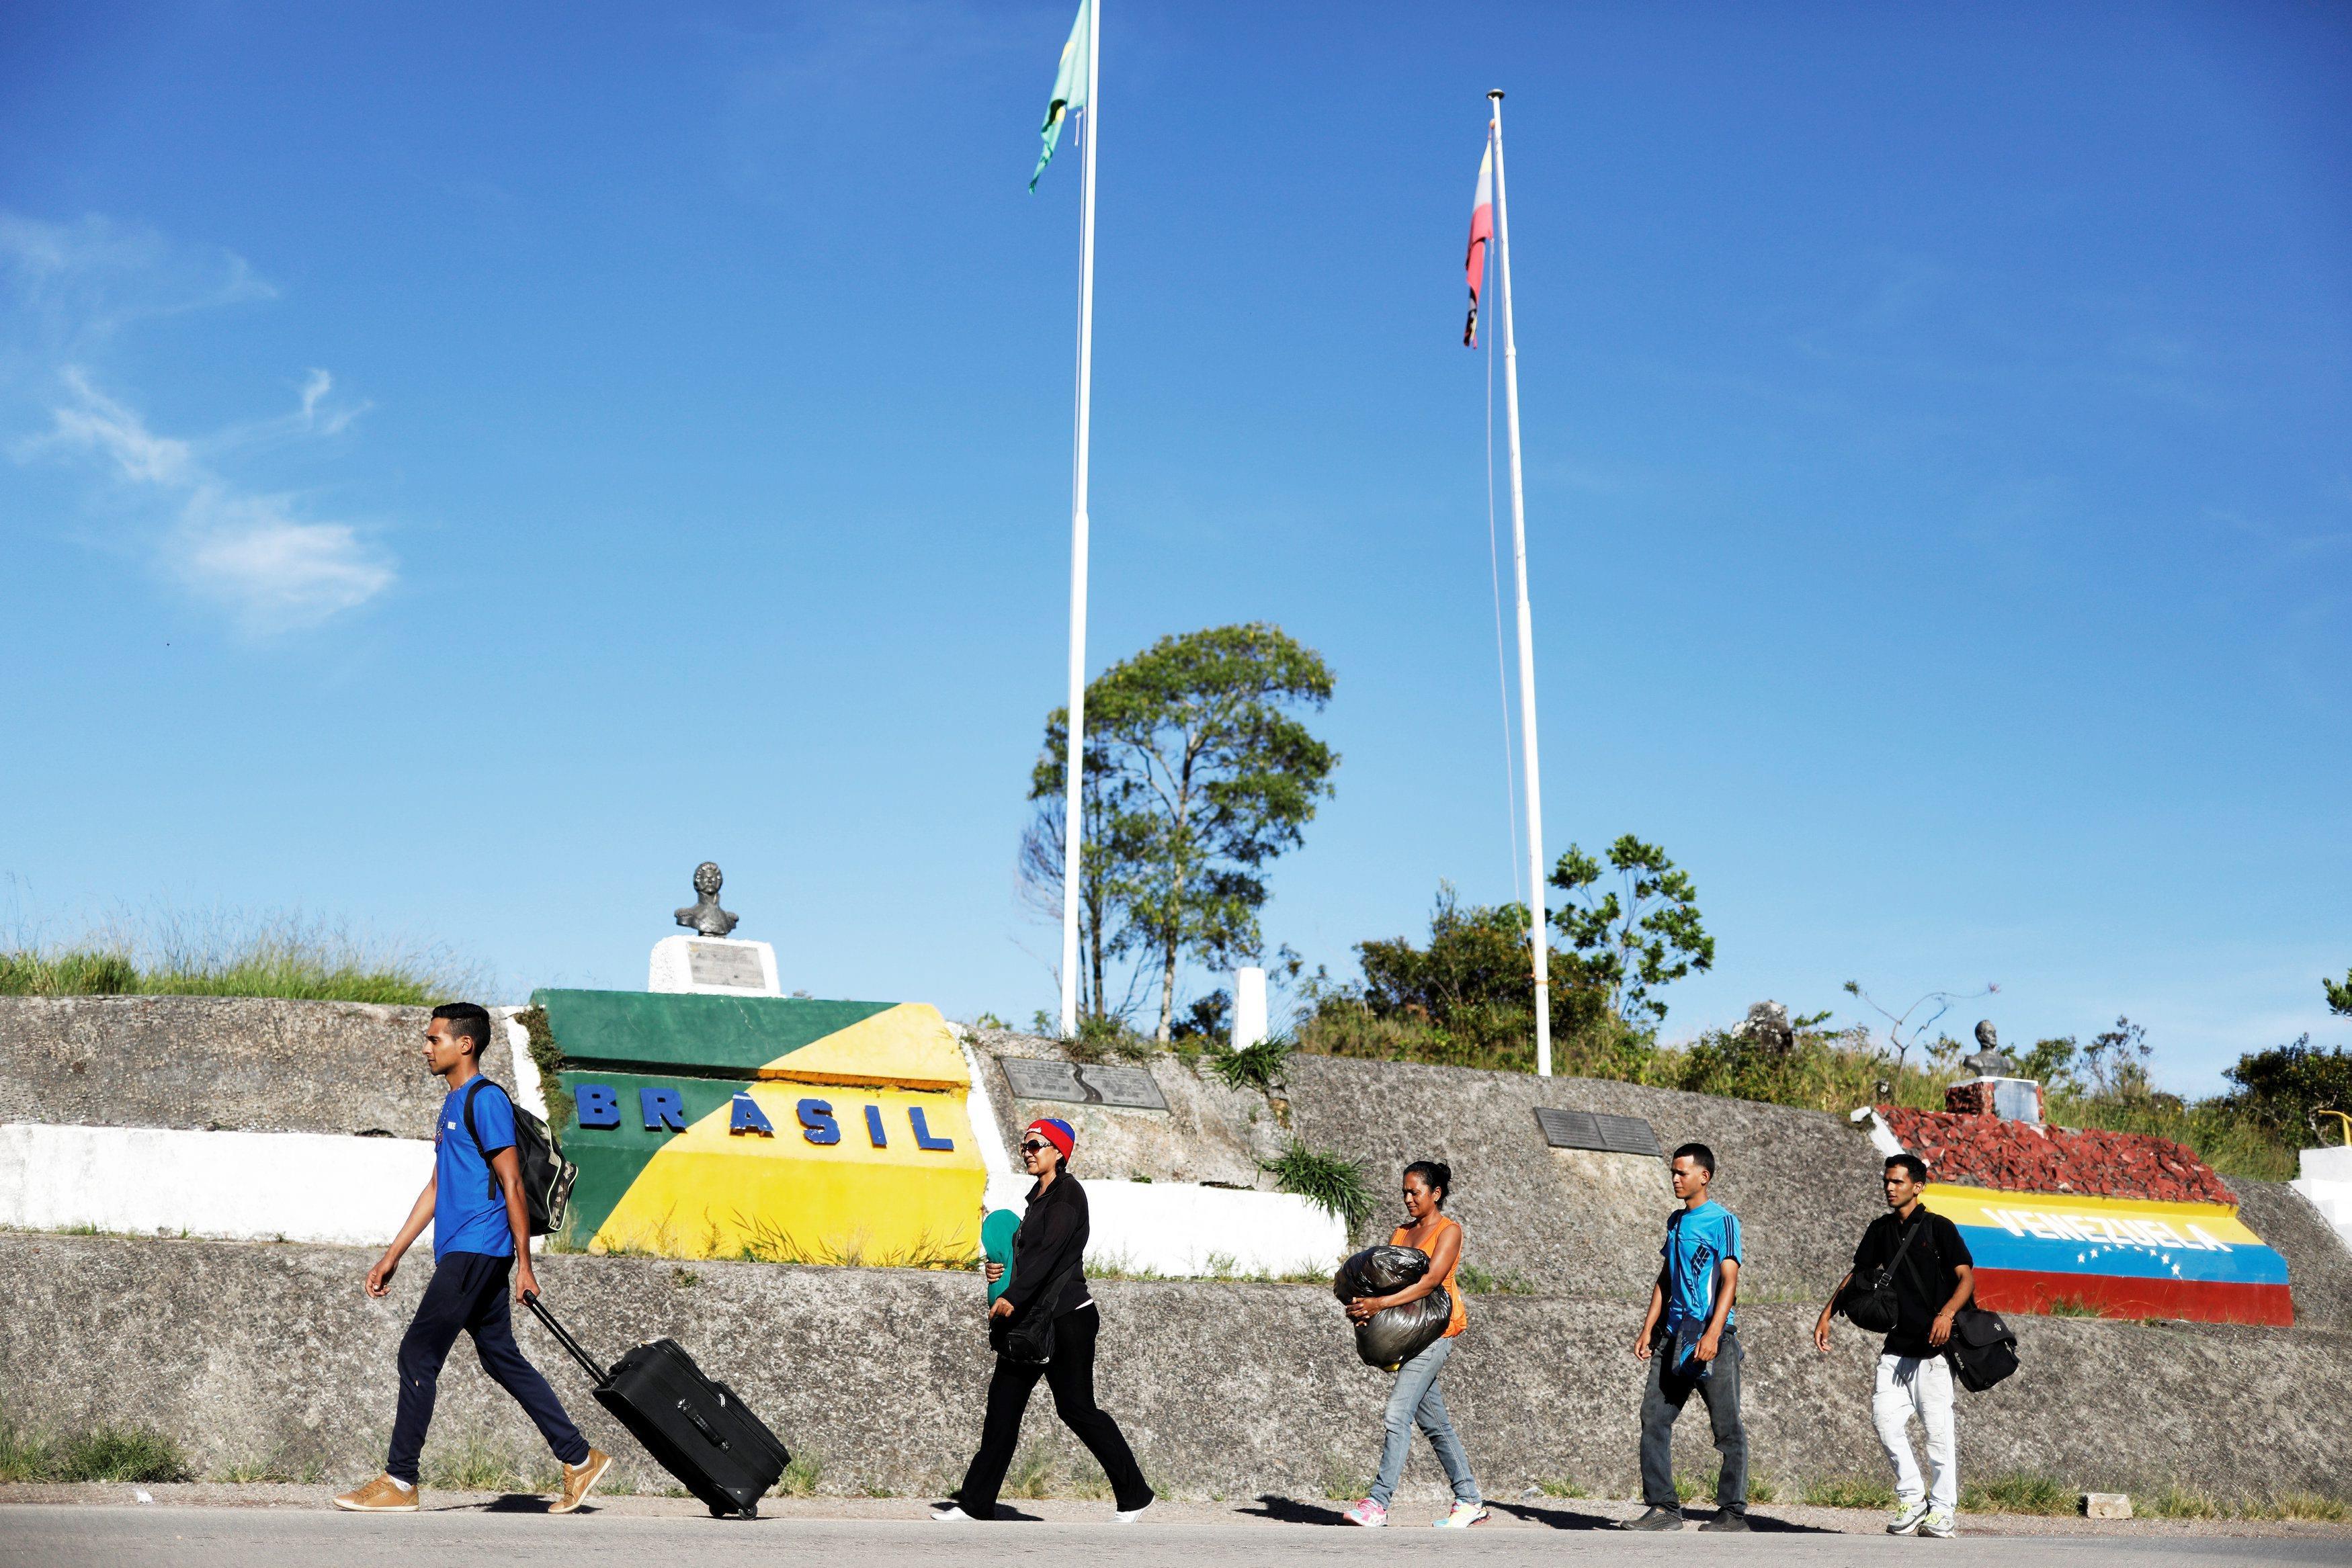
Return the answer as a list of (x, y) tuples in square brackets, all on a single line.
[(252, 552), (247, 552)]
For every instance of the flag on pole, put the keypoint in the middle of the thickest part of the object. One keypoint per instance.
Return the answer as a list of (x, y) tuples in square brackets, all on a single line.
[(1482, 229), (1070, 87)]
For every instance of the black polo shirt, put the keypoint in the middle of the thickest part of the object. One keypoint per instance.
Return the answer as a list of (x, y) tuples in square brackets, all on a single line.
[(1936, 1250)]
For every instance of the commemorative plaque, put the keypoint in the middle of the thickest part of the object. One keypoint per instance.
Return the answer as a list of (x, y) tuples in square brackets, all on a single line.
[(1083, 1083), (1597, 1129), (725, 964)]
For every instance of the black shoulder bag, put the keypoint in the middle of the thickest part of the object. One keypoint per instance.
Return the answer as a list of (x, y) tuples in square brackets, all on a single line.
[(1028, 1334), (1983, 1349), (1870, 1303)]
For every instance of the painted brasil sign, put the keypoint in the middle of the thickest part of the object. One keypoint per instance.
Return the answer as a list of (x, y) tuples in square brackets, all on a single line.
[(776, 1128)]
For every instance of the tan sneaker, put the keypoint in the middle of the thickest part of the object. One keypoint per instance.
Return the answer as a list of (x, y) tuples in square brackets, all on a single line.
[(382, 1495), (581, 1478)]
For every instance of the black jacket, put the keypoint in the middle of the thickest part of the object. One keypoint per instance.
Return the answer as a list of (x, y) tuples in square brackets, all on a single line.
[(1052, 1238)]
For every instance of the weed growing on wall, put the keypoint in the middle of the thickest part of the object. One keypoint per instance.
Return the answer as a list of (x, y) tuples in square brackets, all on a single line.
[(102, 1453), (472, 1466), (1850, 1492), (549, 1058), (801, 1476), (2021, 1491), (1332, 1183)]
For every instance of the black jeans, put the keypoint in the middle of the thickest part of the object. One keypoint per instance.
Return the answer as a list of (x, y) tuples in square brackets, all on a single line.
[(1071, 1376), (1662, 1400), (469, 1292)]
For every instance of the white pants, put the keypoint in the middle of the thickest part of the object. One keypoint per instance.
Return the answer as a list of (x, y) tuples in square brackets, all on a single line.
[(1908, 1386)]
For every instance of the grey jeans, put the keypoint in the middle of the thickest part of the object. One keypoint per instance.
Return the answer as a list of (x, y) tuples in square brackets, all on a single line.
[(1416, 1399), (1662, 1400)]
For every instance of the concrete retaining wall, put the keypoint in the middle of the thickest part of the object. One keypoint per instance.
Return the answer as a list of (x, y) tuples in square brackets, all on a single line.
[(253, 1353), (293, 1186), (239, 1062)]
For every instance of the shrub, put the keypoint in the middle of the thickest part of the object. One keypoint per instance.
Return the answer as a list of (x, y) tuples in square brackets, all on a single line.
[(2280, 1088), (1252, 1067), (1333, 1183)]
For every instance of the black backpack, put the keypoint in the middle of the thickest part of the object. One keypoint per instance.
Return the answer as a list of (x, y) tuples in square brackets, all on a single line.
[(547, 1176)]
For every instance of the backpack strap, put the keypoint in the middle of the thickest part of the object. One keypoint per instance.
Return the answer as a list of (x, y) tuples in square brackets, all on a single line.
[(476, 1132)]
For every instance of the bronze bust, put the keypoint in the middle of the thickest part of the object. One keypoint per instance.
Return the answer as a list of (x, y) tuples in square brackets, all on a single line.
[(703, 915)]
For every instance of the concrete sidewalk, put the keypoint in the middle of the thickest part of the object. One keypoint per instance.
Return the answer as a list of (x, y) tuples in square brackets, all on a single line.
[(1557, 1518), (1190, 1536)]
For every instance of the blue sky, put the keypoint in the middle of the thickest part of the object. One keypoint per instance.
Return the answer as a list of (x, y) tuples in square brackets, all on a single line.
[(459, 468)]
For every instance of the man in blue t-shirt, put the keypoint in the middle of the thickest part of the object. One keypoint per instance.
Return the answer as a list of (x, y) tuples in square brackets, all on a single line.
[(1690, 1342), (481, 1262)]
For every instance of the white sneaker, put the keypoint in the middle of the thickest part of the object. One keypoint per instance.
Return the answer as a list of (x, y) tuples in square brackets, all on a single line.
[(1128, 1515), (1908, 1518), (1464, 1515), (949, 1513), (1941, 1525)]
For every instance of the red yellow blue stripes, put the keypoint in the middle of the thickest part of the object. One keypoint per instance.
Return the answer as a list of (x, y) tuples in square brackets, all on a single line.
[(2123, 1257)]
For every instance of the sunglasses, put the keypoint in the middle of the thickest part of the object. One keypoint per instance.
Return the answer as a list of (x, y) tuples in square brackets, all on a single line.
[(1034, 1147)]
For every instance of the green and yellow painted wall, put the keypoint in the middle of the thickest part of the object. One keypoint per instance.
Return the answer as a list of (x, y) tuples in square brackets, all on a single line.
[(782, 1129)]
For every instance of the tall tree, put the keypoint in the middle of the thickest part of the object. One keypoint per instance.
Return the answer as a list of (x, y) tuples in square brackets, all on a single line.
[(1645, 933), (1208, 774)]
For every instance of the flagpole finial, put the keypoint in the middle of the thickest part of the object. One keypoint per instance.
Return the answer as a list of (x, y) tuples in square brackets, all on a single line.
[(1494, 92)]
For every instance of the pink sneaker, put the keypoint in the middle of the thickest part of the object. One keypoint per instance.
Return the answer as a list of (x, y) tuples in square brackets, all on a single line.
[(1367, 1513)]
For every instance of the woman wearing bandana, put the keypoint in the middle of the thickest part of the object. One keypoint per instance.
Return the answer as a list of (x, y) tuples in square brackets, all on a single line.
[(1048, 1278)]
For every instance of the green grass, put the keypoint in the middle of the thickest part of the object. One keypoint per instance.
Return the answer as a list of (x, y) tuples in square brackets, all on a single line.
[(285, 956), (2021, 1491), (1032, 1476), (1486, 1282), (473, 1466), (1560, 1486), (1761, 1490), (802, 1474), (2069, 1307), (102, 1453), (1850, 1492)]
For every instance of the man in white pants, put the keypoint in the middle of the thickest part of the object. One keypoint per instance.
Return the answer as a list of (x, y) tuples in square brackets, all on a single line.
[(1933, 1280)]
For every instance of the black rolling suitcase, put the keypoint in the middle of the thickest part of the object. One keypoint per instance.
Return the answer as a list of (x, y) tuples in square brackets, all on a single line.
[(689, 1421)]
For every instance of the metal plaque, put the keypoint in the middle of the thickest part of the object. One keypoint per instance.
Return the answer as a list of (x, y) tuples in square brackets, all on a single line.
[(712, 964), (1597, 1129), (1129, 1088)]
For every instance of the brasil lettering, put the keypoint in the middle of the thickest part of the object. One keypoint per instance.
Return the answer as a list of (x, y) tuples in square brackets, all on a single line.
[(661, 1108)]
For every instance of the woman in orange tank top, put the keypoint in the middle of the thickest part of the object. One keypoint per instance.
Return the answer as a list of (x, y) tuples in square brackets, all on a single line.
[(1416, 1401)]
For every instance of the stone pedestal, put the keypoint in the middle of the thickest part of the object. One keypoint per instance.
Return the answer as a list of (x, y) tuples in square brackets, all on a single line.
[(713, 967), (2010, 1099)]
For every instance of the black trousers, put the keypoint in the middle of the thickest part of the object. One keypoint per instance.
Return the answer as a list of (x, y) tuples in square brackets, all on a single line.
[(1071, 1376), (467, 1292)]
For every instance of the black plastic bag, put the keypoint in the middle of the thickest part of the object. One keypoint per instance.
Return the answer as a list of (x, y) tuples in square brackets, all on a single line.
[(1394, 1336)]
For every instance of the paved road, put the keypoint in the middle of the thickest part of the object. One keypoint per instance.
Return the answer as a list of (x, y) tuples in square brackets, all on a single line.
[(58, 1537)]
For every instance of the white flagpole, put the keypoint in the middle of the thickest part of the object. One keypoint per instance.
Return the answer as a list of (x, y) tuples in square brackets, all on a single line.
[(1537, 915), (1075, 750)]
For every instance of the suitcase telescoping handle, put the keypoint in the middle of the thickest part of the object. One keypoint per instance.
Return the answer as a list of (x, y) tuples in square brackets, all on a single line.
[(564, 1336)]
